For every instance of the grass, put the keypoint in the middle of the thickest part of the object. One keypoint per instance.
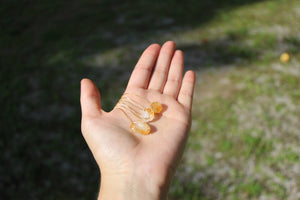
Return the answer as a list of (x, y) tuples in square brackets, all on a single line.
[(244, 141)]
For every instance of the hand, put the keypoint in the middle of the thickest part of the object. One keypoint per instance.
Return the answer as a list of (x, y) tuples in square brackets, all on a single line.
[(135, 166)]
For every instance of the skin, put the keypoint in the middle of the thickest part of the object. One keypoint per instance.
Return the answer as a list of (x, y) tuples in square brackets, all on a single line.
[(135, 166)]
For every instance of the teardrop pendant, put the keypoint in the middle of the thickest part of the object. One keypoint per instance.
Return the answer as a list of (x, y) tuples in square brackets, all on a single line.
[(156, 106), (135, 111), (140, 127), (147, 114)]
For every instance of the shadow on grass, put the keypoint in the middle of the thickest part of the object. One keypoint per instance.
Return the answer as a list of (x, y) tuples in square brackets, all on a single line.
[(42, 44)]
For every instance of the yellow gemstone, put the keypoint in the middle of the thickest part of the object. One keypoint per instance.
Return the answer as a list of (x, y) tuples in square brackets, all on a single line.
[(285, 57), (148, 114), (156, 106), (140, 127)]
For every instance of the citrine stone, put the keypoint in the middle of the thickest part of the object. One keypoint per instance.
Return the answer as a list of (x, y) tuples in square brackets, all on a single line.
[(156, 106), (140, 127), (148, 114)]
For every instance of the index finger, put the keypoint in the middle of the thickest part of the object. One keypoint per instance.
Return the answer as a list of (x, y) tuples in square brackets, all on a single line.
[(143, 69)]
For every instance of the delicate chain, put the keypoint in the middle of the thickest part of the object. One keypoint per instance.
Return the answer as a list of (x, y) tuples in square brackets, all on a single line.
[(137, 96), (133, 109), (126, 107), (124, 113)]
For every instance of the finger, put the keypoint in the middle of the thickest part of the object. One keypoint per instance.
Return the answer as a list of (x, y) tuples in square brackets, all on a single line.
[(143, 69), (161, 70), (185, 96), (175, 75), (89, 99)]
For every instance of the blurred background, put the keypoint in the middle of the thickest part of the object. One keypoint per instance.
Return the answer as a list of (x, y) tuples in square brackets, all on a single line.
[(245, 137)]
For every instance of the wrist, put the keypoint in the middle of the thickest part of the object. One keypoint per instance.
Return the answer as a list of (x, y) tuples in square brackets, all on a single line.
[(120, 187)]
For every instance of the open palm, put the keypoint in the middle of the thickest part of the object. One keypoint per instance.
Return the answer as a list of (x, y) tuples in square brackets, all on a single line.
[(122, 153)]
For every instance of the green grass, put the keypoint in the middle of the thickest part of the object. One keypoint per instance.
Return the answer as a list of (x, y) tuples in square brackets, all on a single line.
[(244, 142)]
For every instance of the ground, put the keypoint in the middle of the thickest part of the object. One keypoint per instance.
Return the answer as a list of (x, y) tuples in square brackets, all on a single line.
[(245, 136)]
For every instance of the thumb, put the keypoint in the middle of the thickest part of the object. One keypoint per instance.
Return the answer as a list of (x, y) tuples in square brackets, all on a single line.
[(90, 99)]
